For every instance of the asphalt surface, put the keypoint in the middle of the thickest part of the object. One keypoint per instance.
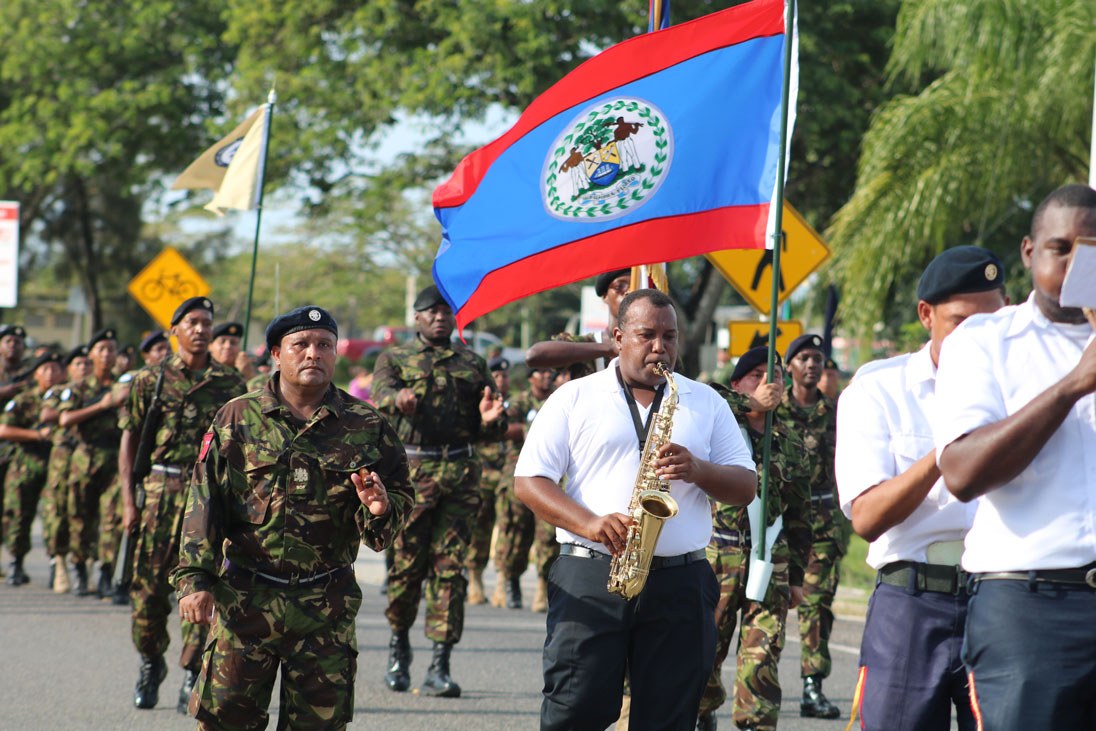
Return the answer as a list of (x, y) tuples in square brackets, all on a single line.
[(67, 662)]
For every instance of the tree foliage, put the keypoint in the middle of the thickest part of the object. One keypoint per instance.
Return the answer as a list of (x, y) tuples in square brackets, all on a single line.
[(995, 114)]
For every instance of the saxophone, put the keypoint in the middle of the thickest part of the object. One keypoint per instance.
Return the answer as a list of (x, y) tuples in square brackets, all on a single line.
[(651, 505)]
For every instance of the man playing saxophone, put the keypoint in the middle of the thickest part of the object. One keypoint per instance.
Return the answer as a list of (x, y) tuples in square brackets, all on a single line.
[(592, 430)]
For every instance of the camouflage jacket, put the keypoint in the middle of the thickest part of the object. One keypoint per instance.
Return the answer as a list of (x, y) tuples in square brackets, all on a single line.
[(582, 368), (276, 494), (448, 382), (817, 424), (59, 436), (23, 412), (788, 494), (256, 383), (190, 399), (521, 407), (101, 430)]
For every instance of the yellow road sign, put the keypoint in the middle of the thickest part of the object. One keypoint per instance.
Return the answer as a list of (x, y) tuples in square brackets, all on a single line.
[(751, 270), (746, 334), (162, 285)]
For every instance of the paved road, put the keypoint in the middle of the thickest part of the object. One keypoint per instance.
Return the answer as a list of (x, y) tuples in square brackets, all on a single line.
[(67, 663)]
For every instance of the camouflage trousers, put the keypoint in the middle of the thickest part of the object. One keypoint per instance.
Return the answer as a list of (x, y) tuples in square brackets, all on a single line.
[(308, 632), (517, 526), (55, 522), (545, 547), (483, 525), (757, 692), (110, 521), (831, 540), (433, 548), (92, 469), (22, 489), (155, 556)]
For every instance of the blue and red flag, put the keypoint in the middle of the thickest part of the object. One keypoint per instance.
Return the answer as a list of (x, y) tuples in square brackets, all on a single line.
[(662, 147)]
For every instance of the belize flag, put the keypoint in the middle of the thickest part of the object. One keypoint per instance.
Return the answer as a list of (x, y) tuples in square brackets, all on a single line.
[(662, 147)]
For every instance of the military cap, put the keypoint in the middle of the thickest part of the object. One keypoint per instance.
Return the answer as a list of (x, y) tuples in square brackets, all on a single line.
[(803, 342), (156, 336), (751, 359), (16, 330), (194, 303), (43, 359), (601, 284), (428, 298), (960, 270), (234, 329), (499, 364), (830, 365), (80, 351), (107, 333), (308, 317)]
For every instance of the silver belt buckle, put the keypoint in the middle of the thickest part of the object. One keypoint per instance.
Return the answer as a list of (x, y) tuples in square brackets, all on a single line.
[(1090, 578)]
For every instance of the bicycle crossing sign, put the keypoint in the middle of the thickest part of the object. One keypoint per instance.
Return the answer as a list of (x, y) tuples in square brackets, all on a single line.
[(163, 285), (751, 270)]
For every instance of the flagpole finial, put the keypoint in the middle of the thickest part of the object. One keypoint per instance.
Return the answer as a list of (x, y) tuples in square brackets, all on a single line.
[(272, 95)]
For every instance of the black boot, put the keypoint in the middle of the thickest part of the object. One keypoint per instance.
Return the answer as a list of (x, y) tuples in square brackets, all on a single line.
[(814, 703), (153, 672), (398, 677), (189, 678), (706, 722), (81, 588), (16, 575), (52, 572), (438, 683), (105, 589), (120, 596), (513, 593)]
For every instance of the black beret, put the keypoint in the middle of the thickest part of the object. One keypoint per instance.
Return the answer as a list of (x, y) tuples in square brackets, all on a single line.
[(601, 284), (831, 365), (16, 330), (80, 351), (194, 303), (499, 364), (960, 270), (803, 342), (43, 359), (308, 317), (128, 350), (107, 333), (428, 298), (751, 359), (156, 336), (228, 328)]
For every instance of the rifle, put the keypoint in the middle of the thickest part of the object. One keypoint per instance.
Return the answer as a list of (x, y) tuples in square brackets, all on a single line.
[(142, 466)]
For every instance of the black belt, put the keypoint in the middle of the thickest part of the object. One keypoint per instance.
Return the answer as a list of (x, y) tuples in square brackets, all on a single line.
[(925, 577), (658, 562), (442, 451), (293, 580), (1084, 576)]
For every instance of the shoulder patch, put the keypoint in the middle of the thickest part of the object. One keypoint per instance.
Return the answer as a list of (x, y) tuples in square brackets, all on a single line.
[(47, 394), (125, 378), (10, 406), (206, 441), (66, 394)]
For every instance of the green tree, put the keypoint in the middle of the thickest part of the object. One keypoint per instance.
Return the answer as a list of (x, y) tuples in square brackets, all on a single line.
[(995, 114)]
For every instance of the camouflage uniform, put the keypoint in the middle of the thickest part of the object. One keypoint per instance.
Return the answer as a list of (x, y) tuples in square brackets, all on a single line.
[(517, 524), (583, 368), (110, 503), (7, 377), (757, 692), (26, 474), (449, 382), (256, 383), (190, 399), (271, 494), (93, 464), (830, 530), (55, 497), (494, 457)]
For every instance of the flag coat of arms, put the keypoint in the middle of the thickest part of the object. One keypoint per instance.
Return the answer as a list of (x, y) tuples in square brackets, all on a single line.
[(662, 147), (233, 167)]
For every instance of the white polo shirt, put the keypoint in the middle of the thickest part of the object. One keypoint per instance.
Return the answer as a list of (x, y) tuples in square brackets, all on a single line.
[(884, 426), (585, 431), (990, 368)]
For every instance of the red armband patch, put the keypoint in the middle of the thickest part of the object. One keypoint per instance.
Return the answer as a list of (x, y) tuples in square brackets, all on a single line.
[(206, 441)]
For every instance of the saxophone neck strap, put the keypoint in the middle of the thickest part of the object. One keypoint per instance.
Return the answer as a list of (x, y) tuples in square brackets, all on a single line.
[(642, 427)]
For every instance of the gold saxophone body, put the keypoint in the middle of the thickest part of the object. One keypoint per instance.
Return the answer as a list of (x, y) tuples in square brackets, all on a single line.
[(651, 505)]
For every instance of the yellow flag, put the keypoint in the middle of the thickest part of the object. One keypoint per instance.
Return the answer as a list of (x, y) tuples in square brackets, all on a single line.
[(232, 167)]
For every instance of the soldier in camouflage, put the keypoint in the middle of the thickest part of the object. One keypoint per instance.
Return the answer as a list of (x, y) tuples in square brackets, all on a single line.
[(194, 388), (154, 348), (290, 481), (19, 424), (440, 398), (516, 522), (91, 407), (55, 496), (12, 346), (757, 692), (815, 418)]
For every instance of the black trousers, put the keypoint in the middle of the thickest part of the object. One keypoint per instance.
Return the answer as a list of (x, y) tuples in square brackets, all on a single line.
[(664, 638)]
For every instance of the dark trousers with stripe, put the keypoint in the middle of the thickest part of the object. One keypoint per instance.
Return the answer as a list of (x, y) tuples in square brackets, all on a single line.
[(1031, 652), (665, 637), (911, 672)]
